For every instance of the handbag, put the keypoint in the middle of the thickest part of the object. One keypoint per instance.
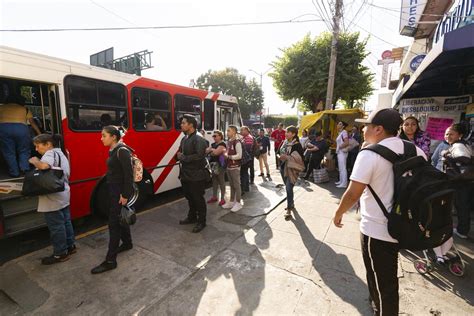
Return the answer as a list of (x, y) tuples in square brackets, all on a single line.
[(320, 175), (41, 182), (215, 168), (127, 216)]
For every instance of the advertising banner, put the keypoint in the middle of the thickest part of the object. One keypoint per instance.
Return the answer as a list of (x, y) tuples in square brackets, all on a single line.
[(436, 108), (436, 127)]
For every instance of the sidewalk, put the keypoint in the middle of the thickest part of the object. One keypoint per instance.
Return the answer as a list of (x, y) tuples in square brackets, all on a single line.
[(242, 263)]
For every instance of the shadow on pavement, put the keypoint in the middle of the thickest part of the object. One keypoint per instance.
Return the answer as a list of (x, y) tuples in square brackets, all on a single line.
[(332, 277), (445, 280)]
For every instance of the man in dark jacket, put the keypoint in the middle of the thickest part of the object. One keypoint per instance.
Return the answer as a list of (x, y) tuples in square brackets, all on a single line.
[(193, 172)]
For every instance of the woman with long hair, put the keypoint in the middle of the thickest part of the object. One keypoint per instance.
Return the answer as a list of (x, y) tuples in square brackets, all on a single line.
[(411, 131), (292, 163), (121, 189), (342, 146), (55, 206)]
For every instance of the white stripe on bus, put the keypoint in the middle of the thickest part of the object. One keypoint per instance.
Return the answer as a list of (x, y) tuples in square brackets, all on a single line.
[(167, 158)]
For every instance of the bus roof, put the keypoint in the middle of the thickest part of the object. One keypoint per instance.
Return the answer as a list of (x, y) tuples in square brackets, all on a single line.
[(20, 58)]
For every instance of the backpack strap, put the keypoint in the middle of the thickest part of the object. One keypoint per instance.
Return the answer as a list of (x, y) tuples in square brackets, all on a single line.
[(409, 149), (378, 200), (384, 152)]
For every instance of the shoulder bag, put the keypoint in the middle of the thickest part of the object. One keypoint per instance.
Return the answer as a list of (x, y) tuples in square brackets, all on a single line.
[(40, 182)]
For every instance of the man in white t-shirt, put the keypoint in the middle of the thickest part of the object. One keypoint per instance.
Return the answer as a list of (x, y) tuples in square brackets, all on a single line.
[(379, 249)]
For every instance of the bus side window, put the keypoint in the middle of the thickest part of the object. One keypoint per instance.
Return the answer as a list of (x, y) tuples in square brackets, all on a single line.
[(151, 110), (209, 121), (93, 104), (184, 104)]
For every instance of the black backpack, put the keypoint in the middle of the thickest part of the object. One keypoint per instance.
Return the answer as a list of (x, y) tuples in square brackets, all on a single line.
[(423, 198)]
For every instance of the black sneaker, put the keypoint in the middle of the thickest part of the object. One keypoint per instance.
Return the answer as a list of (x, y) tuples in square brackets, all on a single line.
[(71, 250), (124, 247), (104, 266), (188, 221), (199, 227), (55, 259)]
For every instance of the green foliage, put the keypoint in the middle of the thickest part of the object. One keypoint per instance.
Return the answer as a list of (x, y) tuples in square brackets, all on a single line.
[(274, 120), (231, 82), (302, 71)]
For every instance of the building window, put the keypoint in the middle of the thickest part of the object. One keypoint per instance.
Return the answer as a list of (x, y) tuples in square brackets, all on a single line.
[(93, 104), (151, 110), (184, 104)]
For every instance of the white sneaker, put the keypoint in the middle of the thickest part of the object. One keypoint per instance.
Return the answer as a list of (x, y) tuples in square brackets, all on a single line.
[(337, 183), (455, 231), (341, 186), (237, 207), (228, 205)]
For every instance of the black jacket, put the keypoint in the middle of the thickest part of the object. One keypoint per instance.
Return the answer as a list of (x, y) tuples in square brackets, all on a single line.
[(193, 163), (120, 170)]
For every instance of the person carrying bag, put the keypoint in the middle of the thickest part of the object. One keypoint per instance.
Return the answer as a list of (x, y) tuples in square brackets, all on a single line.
[(52, 187), (120, 182)]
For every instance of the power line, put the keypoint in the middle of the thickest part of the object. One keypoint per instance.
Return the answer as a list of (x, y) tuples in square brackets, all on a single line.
[(326, 19), (112, 12), (161, 27), (364, 2), (121, 17)]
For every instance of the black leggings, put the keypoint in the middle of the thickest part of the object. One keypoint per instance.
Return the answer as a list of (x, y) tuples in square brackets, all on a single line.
[(117, 231)]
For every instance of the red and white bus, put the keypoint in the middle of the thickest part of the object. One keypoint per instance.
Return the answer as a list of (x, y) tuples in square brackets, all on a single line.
[(76, 101)]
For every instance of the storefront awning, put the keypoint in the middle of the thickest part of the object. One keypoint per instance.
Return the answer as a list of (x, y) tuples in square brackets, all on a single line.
[(447, 70)]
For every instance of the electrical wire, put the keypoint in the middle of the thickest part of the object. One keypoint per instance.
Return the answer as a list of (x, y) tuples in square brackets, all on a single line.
[(321, 14), (328, 12), (364, 3), (161, 27), (122, 18)]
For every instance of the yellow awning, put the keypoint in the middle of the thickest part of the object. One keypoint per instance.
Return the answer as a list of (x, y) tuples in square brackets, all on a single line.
[(347, 116)]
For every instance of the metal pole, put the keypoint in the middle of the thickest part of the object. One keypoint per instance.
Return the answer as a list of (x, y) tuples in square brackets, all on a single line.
[(42, 108), (332, 64)]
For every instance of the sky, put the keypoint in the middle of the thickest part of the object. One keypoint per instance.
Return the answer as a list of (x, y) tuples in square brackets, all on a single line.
[(180, 55)]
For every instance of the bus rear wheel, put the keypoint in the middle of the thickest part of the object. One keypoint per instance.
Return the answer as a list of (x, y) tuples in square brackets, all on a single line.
[(101, 203)]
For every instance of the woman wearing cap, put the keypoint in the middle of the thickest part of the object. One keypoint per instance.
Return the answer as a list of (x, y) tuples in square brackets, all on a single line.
[(120, 185), (411, 131), (342, 143)]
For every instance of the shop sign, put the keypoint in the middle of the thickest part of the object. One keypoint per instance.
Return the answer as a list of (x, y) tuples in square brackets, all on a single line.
[(435, 113), (411, 12), (462, 10), (416, 61)]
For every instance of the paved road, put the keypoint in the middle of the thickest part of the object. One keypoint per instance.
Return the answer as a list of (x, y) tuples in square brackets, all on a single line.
[(28, 242), (241, 264)]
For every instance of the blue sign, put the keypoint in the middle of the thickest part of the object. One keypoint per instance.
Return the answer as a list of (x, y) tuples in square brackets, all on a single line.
[(456, 18), (416, 61)]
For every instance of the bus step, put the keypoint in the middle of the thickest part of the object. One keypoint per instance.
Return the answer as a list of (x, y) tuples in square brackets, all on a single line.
[(24, 222), (19, 206)]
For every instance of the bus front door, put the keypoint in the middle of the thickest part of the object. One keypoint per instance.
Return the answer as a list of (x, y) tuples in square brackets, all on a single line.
[(18, 213)]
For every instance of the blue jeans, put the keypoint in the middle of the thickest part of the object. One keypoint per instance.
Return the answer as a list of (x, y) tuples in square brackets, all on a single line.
[(15, 141), (290, 202), (60, 230)]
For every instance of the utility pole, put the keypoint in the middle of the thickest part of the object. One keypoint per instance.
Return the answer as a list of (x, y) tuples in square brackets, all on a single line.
[(332, 64)]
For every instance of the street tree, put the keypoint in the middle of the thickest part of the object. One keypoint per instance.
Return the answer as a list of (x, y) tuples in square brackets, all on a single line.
[(230, 81), (302, 71)]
